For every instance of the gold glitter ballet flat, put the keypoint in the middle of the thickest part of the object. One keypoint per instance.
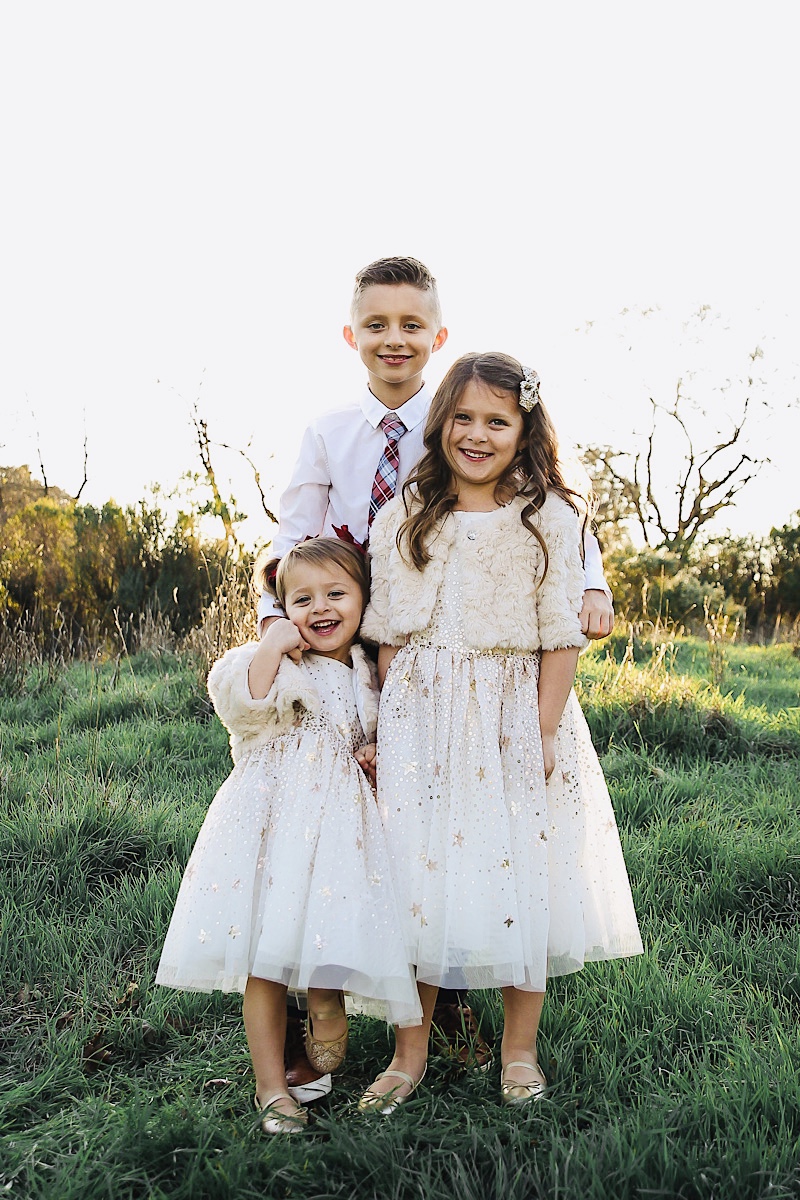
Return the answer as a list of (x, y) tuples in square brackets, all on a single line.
[(516, 1094), (275, 1121), (386, 1102), (326, 1057)]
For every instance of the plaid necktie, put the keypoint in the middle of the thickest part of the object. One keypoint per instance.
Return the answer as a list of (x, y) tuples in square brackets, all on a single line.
[(385, 482)]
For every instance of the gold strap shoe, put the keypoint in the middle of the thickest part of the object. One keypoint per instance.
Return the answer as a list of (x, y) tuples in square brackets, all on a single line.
[(386, 1102), (326, 1057)]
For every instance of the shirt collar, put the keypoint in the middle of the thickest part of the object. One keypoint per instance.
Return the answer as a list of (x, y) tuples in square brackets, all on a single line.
[(412, 413)]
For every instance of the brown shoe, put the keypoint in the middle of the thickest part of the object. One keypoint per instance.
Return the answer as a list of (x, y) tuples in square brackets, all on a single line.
[(305, 1082), (455, 1033)]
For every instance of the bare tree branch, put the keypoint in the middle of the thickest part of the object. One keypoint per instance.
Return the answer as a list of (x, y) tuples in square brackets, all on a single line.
[(256, 476), (38, 446), (220, 507), (85, 460)]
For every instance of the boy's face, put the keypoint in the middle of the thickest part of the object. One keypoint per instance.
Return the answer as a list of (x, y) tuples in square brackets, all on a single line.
[(395, 330)]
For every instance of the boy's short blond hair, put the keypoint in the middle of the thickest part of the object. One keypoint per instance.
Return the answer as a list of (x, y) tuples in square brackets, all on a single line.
[(394, 271)]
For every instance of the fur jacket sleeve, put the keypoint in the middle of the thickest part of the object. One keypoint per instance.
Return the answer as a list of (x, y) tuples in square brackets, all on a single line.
[(252, 723), (509, 602)]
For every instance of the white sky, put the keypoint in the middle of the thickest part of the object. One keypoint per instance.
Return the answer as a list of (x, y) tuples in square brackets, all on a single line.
[(191, 187)]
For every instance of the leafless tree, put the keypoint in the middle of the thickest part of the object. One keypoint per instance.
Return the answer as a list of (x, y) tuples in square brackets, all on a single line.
[(705, 481)]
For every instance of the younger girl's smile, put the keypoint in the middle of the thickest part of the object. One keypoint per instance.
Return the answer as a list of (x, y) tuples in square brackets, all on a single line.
[(325, 603)]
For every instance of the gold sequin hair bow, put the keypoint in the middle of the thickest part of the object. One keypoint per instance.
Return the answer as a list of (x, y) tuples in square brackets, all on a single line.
[(529, 389)]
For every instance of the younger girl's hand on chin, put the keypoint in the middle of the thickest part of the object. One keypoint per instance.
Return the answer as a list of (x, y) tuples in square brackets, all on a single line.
[(285, 638)]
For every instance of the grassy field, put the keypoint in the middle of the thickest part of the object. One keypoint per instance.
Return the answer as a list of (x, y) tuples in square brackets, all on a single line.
[(673, 1074)]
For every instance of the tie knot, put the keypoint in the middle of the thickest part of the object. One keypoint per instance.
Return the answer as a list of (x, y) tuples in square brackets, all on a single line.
[(393, 428)]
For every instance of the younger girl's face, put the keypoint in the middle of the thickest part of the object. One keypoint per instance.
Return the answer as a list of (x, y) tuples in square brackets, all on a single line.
[(481, 438), (326, 605)]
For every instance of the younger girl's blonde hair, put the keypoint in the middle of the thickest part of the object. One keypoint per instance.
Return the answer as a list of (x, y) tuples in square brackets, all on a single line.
[(270, 573)]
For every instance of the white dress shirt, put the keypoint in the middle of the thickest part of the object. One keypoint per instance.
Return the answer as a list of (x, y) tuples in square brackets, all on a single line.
[(332, 480)]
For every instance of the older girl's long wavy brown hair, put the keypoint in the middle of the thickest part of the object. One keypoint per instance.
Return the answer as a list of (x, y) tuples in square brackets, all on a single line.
[(428, 493)]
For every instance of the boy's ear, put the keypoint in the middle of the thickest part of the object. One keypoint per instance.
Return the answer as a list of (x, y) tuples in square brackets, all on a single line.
[(349, 337), (439, 340)]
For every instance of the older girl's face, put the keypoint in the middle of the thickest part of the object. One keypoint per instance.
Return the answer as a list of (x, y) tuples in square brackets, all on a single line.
[(481, 440)]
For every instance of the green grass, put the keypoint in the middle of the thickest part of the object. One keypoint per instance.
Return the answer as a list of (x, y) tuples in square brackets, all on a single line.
[(673, 1074)]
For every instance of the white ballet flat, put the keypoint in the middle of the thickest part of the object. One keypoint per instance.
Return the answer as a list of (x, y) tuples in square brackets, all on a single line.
[(279, 1122), (516, 1094)]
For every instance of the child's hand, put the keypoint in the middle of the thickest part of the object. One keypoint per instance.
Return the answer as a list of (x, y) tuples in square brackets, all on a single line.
[(366, 757), (597, 614), (549, 751), (285, 637)]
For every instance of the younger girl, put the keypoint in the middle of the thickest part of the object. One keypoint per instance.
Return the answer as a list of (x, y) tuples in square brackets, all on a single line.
[(503, 843), (289, 885)]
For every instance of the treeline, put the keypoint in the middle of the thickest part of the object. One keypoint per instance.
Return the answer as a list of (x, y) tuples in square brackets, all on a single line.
[(74, 568), (752, 579), (77, 567)]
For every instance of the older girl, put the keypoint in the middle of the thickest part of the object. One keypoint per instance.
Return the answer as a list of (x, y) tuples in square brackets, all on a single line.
[(503, 843)]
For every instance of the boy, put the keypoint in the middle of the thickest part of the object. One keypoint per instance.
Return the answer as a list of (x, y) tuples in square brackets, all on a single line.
[(396, 325), (351, 461)]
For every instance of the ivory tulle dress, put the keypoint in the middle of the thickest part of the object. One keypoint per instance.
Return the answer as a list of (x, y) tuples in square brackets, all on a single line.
[(502, 879), (289, 878)]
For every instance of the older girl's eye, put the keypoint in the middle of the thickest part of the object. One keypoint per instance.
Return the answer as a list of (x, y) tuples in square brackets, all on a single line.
[(460, 417)]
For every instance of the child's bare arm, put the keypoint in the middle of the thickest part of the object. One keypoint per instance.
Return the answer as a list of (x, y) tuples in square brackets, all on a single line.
[(556, 677), (385, 656), (281, 638)]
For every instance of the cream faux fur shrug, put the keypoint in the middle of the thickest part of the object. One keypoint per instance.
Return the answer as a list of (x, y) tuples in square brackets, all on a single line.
[(503, 608), (252, 723)]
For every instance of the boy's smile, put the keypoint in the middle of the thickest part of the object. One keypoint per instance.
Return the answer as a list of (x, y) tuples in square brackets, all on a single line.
[(395, 330)]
